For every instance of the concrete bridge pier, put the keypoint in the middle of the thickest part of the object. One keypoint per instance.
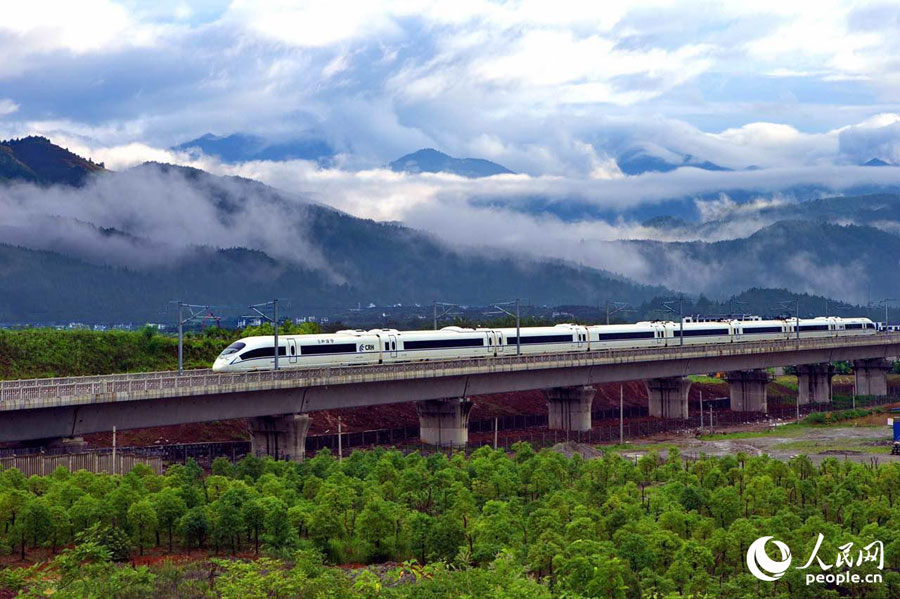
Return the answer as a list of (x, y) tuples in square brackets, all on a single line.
[(281, 437), (669, 397), (871, 376), (747, 389), (814, 383), (444, 422), (570, 408)]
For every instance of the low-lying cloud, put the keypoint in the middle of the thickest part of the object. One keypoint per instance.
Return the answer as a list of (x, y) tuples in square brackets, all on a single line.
[(159, 215), (150, 217)]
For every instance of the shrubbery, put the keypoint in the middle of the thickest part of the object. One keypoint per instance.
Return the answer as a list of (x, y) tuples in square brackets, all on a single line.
[(494, 525), (35, 353), (838, 416)]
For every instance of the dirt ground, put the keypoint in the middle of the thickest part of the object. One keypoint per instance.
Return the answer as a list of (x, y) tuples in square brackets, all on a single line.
[(866, 444)]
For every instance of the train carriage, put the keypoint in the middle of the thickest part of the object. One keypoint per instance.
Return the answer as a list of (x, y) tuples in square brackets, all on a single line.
[(448, 342), (642, 334), (543, 340), (348, 348), (300, 351)]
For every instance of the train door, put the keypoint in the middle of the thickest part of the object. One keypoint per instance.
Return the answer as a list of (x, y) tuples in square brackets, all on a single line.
[(581, 337), (499, 342), (392, 341), (292, 350), (491, 343)]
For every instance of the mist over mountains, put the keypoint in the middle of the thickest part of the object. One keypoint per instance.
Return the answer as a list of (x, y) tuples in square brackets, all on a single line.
[(124, 244), (78, 241)]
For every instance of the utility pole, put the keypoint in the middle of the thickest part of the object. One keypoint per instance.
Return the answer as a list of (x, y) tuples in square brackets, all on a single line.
[(446, 308), (621, 414), (519, 329), (275, 324), (499, 307), (273, 320), (195, 312), (885, 302), (114, 450), (786, 305), (680, 315), (701, 410), (618, 307), (180, 338)]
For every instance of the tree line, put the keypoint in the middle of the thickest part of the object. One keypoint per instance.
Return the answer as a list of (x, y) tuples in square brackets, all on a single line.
[(556, 526)]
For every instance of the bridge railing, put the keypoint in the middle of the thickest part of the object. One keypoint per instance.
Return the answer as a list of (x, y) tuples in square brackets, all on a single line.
[(58, 388)]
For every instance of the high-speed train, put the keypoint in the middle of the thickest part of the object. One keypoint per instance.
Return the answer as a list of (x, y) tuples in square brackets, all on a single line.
[(382, 346)]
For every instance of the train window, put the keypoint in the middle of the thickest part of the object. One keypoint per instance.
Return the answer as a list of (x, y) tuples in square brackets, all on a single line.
[(328, 348), (618, 336), (761, 330), (540, 339), (444, 343), (293, 350), (702, 332), (234, 348), (263, 352)]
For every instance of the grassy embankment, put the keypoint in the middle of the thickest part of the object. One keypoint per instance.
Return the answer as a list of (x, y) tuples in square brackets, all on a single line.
[(38, 353)]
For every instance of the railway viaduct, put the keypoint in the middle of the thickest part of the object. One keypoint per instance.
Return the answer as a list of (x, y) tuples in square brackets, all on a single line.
[(278, 404)]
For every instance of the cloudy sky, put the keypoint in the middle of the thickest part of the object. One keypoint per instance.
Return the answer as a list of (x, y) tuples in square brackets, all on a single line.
[(542, 87), (804, 92)]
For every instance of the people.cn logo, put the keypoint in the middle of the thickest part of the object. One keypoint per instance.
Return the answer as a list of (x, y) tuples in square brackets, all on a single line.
[(764, 567)]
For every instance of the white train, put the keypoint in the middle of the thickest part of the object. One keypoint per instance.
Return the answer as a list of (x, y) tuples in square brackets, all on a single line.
[(382, 346)]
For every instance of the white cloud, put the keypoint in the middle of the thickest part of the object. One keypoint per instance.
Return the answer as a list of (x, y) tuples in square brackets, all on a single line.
[(7, 106), (878, 137), (313, 24), (87, 26), (525, 83)]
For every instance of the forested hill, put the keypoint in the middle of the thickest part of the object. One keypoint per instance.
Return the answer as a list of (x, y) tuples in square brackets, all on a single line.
[(43, 286), (35, 159)]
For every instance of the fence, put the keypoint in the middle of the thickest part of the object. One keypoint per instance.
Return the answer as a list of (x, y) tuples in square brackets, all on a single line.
[(93, 461), (516, 428)]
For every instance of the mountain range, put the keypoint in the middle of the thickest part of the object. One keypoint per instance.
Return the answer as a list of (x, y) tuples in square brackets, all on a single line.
[(228, 240), (61, 268), (429, 160), (243, 147)]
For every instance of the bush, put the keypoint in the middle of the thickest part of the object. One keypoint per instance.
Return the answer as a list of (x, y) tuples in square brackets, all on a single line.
[(114, 540), (839, 416)]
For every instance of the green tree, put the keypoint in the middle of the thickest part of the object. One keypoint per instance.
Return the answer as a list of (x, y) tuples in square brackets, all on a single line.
[(254, 516), (195, 526), (170, 507), (143, 520)]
